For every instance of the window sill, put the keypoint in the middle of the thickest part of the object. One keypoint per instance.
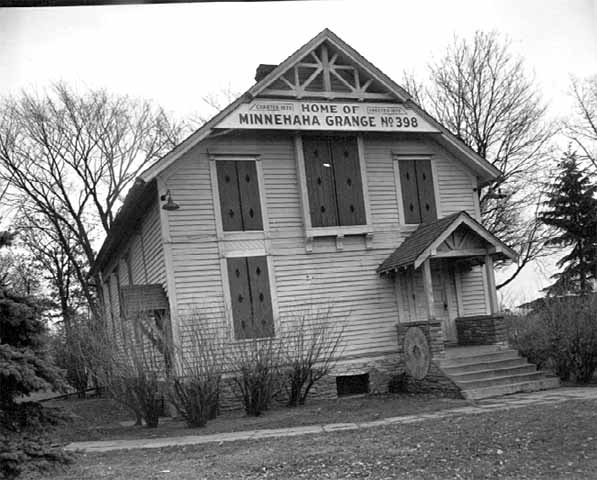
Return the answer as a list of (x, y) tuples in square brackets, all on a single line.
[(339, 233), (243, 235)]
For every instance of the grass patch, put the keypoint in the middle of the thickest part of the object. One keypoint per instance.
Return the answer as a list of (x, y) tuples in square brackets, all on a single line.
[(98, 419), (538, 441)]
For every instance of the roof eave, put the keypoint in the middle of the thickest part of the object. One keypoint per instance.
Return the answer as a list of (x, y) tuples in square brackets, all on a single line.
[(137, 201)]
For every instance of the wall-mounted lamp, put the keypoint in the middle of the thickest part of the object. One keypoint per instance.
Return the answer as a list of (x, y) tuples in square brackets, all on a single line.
[(170, 204)]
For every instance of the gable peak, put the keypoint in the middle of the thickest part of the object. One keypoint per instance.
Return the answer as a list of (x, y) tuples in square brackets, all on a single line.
[(327, 68)]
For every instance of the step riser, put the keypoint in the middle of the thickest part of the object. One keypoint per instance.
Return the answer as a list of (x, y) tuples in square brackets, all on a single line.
[(496, 372), (495, 382), (488, 358), (476, 367), (459, 352), (543, 384), (490, 371)]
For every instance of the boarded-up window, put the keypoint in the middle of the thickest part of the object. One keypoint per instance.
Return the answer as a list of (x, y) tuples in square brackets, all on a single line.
[(352, 384), (334, 181), (251, 298), (240, 203), (418, 197)]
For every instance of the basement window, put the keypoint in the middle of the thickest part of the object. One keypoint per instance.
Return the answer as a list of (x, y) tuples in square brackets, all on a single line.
[(352, 384)]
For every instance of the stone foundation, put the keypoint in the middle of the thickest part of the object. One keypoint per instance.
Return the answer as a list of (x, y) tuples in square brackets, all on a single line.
[(481, 330), (387, 373), (381, 371)]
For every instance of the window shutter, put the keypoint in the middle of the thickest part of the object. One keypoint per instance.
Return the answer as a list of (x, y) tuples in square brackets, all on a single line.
[(426, 191), (229, 195), (349, 189), (263, 319), (240, 295), (410, 197), (248, 187), (320, 182)]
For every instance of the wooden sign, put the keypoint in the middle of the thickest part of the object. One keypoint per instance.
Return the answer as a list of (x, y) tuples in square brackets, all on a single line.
[(417, 356), (306, 115)]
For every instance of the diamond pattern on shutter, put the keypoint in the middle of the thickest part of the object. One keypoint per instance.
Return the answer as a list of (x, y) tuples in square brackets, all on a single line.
[(263, 319), (248, 186), (410, 196), (426, 193), (320, 182), (347, 174), (229, 195), (240, 294)]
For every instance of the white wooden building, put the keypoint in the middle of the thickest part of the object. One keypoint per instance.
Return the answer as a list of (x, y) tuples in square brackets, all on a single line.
[(324, 184)]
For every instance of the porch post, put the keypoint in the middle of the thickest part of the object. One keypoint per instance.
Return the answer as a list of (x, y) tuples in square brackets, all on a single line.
[(428, 286), (489, 272)]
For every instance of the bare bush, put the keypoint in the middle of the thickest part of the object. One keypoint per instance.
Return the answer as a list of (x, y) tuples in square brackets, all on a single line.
[(255, 364), (562, 335), (195, 393), (311, 348), (131, 373)]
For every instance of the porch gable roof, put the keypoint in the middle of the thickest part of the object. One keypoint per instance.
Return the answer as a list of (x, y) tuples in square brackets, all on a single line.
[(424, 242)]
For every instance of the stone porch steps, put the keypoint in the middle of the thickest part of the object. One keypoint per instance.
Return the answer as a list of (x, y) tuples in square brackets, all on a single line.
[(482, 366), (491, 370)]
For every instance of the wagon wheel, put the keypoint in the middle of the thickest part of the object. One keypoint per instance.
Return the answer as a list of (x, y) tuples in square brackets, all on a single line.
[(417, 355)]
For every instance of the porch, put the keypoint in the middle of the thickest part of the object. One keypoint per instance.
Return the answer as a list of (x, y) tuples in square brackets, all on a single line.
[(443, 344), (436, 271)]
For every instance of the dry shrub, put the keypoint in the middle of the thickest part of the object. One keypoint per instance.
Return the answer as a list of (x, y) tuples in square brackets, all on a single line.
[(255, 366), (132, 373), (561, 335), (311, 347), (195, 393)]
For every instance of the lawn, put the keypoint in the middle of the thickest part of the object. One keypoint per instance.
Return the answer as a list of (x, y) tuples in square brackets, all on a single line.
[(100, 419), (538, 441)]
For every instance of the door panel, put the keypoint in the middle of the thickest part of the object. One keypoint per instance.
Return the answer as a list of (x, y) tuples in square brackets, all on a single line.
[(449, 287)]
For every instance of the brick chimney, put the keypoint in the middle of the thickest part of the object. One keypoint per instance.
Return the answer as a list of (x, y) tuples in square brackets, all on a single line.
[(262, 70)]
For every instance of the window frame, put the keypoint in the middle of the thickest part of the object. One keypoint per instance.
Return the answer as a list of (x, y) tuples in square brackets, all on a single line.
[(396, 158), (221, 234), (333, 231), (228, 294)]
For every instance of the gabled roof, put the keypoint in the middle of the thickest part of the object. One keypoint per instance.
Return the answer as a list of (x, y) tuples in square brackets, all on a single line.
[(485, 170), (423, 243)]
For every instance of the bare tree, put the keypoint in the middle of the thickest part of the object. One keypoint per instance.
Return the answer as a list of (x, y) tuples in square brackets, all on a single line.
[(480, 91), (581, 128), (215, 101), (72, 157), (39, 238)]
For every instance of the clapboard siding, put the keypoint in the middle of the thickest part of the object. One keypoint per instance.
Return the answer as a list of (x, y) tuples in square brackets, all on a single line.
[(455, 187), (344, 279), (473, 292), (152, 248), (146, 256)]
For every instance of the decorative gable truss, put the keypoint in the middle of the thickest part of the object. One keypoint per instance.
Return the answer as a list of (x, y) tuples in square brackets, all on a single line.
[(326, 72)]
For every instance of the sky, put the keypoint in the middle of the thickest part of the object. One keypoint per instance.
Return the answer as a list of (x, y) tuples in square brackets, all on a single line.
[(178, 54)]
